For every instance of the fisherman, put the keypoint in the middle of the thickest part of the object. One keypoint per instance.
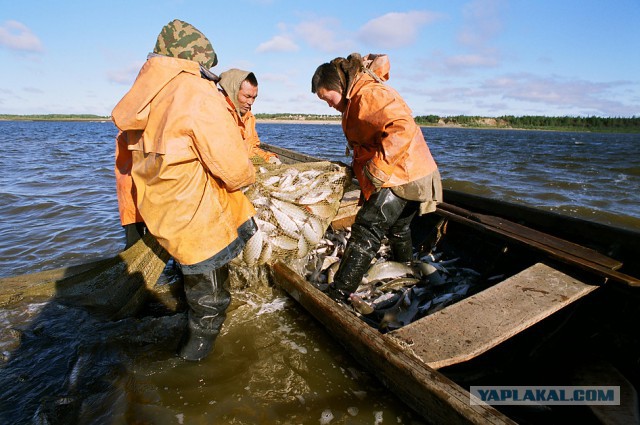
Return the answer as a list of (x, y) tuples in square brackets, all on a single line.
[(241, 91), (188, 166), (398, 176)]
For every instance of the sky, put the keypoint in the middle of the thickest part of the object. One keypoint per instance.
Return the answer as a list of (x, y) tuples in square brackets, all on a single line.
[(477, 57)]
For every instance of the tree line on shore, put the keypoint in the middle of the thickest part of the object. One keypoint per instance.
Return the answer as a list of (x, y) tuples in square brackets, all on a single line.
[(533, 122)]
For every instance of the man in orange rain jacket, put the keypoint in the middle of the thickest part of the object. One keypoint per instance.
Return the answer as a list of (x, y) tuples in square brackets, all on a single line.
[(397, 174), (188, 164), (241, 90)]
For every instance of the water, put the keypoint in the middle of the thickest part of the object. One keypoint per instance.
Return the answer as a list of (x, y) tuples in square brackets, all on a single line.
[(272, 363)]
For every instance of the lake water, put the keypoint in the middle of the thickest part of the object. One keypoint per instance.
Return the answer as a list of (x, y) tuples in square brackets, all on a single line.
[(272, 363)]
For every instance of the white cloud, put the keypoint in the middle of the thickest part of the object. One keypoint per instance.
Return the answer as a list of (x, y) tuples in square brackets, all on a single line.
[(470, 61), (126, 75), (482, 22), (32, 90), (279, 43), (16, 36), (529, 94), (324, 35), (395, 29), (562, 92)]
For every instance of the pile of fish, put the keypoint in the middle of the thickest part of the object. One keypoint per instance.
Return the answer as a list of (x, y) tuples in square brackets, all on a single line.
[(294, 204), (393, 294)]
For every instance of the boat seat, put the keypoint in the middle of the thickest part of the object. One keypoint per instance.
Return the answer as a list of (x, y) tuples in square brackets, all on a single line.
[(347, 212), (478, 323)]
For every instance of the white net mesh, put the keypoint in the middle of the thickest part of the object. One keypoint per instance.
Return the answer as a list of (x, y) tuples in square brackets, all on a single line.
[(295, 204)]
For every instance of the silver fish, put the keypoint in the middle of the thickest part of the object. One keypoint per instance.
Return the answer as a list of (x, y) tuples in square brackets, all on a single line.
[(252, 249), (331, 271), (360, 305), (388, 269), (398, 283)]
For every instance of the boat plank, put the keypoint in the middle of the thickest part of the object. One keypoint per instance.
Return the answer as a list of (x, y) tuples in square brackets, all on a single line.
[(537, 236), (480, 322), (553, 251), (426, 390), (347, 212)]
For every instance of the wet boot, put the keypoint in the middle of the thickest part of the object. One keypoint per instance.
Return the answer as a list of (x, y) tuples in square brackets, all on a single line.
[(208, 297), (402, 251), (353, 266), (401, 244), (400, 234)]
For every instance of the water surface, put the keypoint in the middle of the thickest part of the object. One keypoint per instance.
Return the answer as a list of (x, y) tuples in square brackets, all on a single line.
[(272, 363)]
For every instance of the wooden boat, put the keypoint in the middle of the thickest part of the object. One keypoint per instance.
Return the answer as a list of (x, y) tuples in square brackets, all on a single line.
[(555, 267), (556, 270)]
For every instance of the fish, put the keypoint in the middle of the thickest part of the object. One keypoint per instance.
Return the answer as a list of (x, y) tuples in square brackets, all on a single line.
[(388, 269), (285, 223), (312, 230), (265, 255), (252, 249), (271, 180), (265, 226), (386, 300), (303, 248), (360, 305), (323, 210), (315, 196), (284, 243), (389, 317), (328, 261), (294, 212), (398, 283), (331, 272), (431, 272)]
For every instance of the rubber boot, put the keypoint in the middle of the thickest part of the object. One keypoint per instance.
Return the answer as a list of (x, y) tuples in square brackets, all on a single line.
[(353, 266), (208, 297), (401, 242), (402, 251), (400, 234)]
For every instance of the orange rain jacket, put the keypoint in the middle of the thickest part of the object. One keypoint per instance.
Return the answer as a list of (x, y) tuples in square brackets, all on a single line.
[(382, 133), (247, 126), (188, 160)]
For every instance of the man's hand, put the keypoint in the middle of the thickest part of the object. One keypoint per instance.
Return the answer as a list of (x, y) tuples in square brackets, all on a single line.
[(376, 181)]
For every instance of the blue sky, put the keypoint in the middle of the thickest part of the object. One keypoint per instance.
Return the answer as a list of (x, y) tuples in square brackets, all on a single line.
[(448, 57)]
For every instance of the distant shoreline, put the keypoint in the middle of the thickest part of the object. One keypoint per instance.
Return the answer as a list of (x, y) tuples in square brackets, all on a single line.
[(300, 121), (474, 123), (338, 122)]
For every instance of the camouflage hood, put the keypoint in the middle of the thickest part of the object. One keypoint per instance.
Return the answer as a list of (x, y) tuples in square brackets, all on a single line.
[(179, 39), (231, 81)]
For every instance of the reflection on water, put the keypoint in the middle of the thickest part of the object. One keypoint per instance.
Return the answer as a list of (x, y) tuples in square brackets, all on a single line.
[(272, 362)]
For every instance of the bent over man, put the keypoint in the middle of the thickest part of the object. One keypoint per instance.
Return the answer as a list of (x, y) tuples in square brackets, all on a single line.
[(391, 160)]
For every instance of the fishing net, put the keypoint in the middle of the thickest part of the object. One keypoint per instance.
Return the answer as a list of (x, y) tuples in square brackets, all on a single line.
[(295, 204)]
